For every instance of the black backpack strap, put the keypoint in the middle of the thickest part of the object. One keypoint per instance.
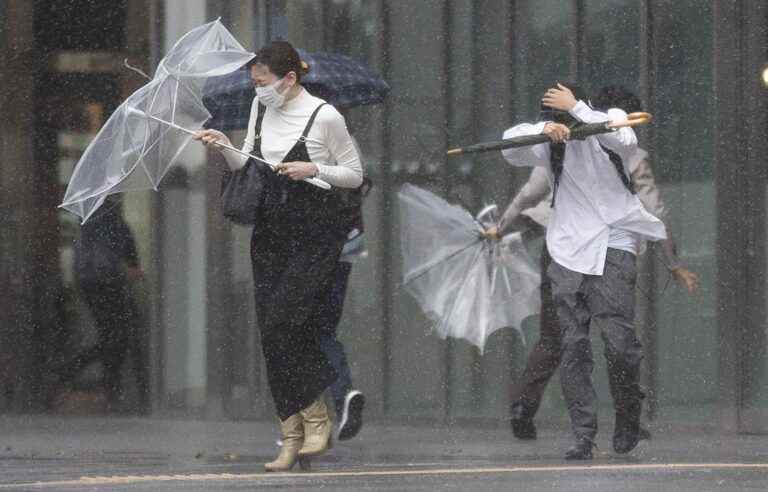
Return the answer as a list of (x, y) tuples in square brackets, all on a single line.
[(556, 158), (619, 165), (310, 122), (260, 110)]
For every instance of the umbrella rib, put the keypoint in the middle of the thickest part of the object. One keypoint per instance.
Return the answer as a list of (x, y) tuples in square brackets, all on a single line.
[(442, 260), (171, 161), (445, 319), (174, 101)]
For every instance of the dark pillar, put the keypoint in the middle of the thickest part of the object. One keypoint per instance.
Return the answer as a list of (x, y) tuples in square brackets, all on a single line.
[(18, 269), (739, 149)]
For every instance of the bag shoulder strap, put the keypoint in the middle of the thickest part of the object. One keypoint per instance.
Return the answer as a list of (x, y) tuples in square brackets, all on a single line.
[(260, 110), (310, 122)]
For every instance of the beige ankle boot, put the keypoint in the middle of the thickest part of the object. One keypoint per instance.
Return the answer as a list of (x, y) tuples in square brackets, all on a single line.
[(317, 429), (293, 438)]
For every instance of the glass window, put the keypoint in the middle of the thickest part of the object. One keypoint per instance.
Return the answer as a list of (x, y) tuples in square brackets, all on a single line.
[(682, 157), (612, 45), (543, 56)]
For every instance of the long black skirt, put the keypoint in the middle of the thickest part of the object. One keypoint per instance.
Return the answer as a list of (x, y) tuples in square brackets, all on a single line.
[(293, 268)]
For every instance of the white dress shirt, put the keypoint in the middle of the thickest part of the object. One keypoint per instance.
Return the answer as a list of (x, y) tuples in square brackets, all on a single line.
[(593, 209), (329, 143), (534, 199)]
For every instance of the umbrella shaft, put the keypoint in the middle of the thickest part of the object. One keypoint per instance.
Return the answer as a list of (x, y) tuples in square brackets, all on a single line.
[(315, 181), (190, 132)]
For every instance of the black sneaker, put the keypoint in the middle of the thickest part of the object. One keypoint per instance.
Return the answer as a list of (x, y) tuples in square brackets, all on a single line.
[(582, 450), (352, 415)]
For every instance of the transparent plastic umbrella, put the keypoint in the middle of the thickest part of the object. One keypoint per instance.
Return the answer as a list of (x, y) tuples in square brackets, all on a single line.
[(147, 133), (468, 285)]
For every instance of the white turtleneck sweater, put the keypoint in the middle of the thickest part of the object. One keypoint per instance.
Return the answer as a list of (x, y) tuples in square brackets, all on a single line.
[(329, 144)]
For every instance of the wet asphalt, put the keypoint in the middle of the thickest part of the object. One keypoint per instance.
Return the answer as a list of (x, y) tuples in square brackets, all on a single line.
[(133, 454)]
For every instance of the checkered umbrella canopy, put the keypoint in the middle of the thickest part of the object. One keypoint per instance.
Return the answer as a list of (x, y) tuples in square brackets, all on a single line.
[(340, 80)]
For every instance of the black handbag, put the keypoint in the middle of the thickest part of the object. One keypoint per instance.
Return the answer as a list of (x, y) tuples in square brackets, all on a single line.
[(242, 193)]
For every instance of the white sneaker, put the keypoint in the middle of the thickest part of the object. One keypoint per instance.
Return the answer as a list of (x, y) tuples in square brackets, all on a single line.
[(352, 416)]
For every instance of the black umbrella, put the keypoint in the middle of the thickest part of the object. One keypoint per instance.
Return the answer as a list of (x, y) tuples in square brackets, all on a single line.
[(339, 79), (579, 133)]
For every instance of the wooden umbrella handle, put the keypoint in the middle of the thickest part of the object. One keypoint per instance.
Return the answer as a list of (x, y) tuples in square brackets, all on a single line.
[(633, 119)]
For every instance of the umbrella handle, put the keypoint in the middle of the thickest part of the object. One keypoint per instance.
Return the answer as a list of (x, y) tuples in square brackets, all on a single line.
[(633, 119)]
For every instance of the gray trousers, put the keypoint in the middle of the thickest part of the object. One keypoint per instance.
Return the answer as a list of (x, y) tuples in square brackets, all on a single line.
[(606, 302)]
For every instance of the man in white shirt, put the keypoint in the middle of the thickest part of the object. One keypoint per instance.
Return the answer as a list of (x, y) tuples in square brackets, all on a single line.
[(595, 230), (530, 210)]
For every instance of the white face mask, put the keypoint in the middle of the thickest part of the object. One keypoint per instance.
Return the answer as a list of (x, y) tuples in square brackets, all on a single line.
[(269, 96)]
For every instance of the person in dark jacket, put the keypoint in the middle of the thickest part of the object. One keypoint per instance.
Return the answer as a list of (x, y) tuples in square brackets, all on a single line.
[(106, 262)]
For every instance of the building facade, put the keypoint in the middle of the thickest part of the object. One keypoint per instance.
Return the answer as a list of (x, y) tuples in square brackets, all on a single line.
[(460, 72)]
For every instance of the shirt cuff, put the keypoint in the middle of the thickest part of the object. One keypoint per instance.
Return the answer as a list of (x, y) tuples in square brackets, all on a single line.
[(580, 110), (538, 128), (234, 160), (674, 265)]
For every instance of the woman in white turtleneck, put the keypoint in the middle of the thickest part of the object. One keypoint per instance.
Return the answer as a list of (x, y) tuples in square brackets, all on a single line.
[(297, 239), (334, 157)]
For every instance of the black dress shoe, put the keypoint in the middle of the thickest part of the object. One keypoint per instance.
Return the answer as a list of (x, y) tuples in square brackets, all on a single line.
[(523, 428), (626, 435), (627, 432), (582, 450), (522, 422)]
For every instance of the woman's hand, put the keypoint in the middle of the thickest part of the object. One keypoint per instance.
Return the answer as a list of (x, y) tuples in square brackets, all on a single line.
[(297, 170), (211, 138)]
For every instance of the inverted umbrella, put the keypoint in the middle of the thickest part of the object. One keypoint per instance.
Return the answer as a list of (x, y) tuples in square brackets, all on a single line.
[(136, 147), (469, 286), (578, 133), (339, 79)]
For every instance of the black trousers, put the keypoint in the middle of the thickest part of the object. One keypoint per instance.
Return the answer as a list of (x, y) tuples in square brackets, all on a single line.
[(544, 358)]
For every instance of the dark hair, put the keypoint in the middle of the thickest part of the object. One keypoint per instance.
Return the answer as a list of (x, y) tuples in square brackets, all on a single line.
[(281, 57), (617, 96)]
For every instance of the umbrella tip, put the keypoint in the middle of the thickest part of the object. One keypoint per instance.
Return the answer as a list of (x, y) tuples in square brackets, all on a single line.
[(455, 151)]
